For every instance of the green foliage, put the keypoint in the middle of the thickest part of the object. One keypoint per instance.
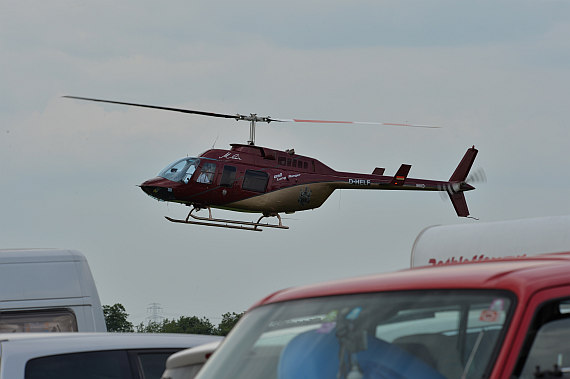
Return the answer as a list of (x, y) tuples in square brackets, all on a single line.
[(116, 318), (150, 327), (189, 325), (227, 323)]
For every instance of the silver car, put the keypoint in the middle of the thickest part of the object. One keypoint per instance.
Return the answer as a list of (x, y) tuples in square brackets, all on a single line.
[(90, 355)]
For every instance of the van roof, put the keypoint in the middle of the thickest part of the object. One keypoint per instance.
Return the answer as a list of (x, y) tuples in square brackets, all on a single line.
[(39, 255), (515, 275)]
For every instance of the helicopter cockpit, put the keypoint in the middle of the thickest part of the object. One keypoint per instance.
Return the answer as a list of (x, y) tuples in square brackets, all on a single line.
[(181, 170)]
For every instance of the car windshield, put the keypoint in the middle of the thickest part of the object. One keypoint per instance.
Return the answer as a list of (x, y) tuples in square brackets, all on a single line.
[(412, 334), (181, 170)]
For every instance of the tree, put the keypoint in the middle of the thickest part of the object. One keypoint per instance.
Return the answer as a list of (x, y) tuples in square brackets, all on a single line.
[(228, 322), (189, 325), (150, 327), (116, 318)]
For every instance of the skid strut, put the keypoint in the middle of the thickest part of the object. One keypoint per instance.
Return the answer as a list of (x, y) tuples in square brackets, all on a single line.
[(226, 223)]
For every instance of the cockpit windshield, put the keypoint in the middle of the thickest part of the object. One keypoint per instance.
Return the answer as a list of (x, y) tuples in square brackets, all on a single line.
[(181, 170)]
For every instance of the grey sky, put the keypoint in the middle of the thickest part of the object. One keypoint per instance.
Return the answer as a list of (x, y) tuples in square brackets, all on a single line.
[(494, 74)]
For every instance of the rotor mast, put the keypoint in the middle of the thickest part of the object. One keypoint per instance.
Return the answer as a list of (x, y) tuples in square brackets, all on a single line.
[(252, 118)]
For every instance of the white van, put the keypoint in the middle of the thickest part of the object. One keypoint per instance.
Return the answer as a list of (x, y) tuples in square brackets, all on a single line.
[(482, 241), (48, 290)]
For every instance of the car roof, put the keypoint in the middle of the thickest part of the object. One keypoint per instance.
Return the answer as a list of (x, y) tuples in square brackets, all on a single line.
[(74, 342), (194, 355), (521, 276)]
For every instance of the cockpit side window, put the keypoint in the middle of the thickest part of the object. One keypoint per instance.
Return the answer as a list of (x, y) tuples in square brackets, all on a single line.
[(207, 173)]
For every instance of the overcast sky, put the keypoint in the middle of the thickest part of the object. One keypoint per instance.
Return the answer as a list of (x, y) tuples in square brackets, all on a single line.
[(494, 74)]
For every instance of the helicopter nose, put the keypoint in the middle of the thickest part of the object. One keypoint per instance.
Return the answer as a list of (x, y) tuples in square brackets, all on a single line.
[(158, 189)]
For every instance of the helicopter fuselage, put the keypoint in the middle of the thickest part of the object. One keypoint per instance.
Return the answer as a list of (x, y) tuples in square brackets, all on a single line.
[(250, 178)]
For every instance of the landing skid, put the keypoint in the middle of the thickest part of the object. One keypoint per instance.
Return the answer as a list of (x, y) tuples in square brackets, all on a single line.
[(231, 224)]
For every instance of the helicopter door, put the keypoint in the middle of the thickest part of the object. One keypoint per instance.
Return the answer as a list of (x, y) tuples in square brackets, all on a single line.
[(207, 174), (228, 176), (255, 181)]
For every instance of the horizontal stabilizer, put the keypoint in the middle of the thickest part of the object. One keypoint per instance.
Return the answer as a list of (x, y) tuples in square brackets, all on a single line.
[(401, 175), (378, 171)]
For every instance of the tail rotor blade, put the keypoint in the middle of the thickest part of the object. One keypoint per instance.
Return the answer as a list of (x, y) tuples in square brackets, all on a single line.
[(478, 176)]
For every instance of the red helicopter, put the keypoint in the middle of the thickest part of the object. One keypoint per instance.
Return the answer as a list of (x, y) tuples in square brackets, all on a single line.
[(250, 178)]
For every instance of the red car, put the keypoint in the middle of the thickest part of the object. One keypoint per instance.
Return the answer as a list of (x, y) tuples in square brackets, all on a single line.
[(496, 319)]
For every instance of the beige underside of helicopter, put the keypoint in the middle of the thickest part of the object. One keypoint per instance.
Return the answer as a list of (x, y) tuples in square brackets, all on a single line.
[(287, 200)]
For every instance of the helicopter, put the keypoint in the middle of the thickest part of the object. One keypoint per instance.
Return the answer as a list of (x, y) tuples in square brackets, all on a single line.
[(256, 179)]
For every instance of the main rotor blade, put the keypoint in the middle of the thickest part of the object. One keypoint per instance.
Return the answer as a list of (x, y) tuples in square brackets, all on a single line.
[(251, 117), (157, 107), (351, 122)]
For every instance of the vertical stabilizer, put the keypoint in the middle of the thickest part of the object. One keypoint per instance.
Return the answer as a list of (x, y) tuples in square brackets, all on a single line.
[(462, 170), (456, 185)]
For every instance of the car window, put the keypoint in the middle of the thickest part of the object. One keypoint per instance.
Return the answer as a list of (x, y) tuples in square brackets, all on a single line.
[(89, 365), (546, 352), (152, 364), (550, 350)]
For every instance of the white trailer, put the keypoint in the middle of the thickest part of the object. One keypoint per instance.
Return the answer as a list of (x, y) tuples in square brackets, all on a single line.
[(48, 290), (442, 244)]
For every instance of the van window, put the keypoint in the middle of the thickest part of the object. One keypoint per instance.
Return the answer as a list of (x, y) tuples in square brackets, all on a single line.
[(56, 320), (255, 181), (89, 365), (228, 176)]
